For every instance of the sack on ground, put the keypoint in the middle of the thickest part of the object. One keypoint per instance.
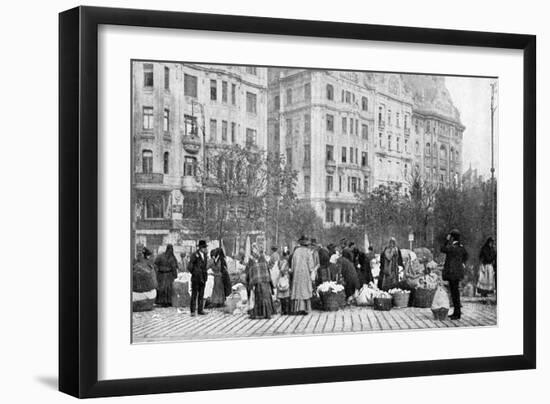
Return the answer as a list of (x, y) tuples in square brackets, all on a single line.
[(209, 287), (441, 299), (180, 293), (143, 301), (144, 279), (231, 302)]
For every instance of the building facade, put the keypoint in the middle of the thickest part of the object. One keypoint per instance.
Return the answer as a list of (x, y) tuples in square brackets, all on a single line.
[(347, 132), (323, 122), (180, 112)]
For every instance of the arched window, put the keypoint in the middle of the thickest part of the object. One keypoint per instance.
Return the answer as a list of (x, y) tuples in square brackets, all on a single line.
[(389, 142), (452, 154), (166, 164), (364, 104), (147, 161), (443, 152), (428, 150), (417, 147), (330, 92)]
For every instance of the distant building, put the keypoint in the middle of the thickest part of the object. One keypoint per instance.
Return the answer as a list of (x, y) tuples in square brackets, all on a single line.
[(471, 178), (179, 112)]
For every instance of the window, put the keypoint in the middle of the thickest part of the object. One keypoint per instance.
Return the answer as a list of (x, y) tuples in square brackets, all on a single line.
[(213, 90), (330, 153), (348, 97), (147, 117), (356, 155), (356, 127), (342, 214), (307, 123), (190, 166), (349, 184), (330, 92), (330, 123), (406, 170), (329, 183), (277, 103), (389, 117), (307, 184), (353, 184), (398, 144), (364, 104), (154, 207), (307, 91), (224, 91), (251, 103), (289, 127), (213, 130), (224, 131), (406, 122), (351, 126), (397, 120), (289, 156), (147, 161), (288, 96), (364, 158), (190, 125), (389, 142), (344, 153), (148, 75), (351, 155), (166, 162), (233, 130), (344, 125), (380, 140), (380, 110), (250, 137), (251, 70), (166, 120), (329, 215), (343, 95), (365, 185), (428, 150), (417, 147), (166, 78), (365, 132), (340, 181), (443, 152), (233, 94), (416, 125), (307, 154), (190, 85)]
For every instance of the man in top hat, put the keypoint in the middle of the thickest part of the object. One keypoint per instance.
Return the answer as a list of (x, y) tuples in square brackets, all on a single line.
[(453, 269), (198, 267)]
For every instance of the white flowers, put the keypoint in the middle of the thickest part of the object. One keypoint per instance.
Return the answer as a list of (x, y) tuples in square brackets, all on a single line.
[(330, 287), (397, 290)]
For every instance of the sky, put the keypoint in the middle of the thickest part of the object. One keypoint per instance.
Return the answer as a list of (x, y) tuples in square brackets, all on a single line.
[(472, 97)]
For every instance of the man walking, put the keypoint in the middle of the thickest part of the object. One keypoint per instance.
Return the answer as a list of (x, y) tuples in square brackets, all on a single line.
[(198, 268), (453, 269)]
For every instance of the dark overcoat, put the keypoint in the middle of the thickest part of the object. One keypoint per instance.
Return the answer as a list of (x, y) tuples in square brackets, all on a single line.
[(198, 268), (455, 260)]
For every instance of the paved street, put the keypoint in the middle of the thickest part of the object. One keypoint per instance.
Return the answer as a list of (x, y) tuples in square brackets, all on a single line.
[(169, 324)]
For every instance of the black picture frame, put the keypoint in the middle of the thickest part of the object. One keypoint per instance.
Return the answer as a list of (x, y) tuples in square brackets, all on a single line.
[(78, 200)]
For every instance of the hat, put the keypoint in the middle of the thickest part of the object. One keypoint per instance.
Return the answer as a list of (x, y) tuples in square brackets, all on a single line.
[(313, 241), (331, 247), (146, 252), (274, 248), (455, 234), (303, 240), (202, 244)]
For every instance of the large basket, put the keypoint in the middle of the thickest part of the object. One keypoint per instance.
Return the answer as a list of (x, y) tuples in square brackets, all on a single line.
[(382, 303), (440, 314), (401, 299), (423, 298), (333, 301)]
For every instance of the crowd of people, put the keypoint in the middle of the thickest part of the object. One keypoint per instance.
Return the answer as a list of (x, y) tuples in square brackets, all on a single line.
[(291, 278)]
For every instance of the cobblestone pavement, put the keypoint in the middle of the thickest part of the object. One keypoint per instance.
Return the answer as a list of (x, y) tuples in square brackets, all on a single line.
[(170, 324)]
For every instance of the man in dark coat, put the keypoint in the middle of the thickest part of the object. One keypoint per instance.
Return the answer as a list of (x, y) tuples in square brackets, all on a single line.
[(198, 268), (349, 274), (324, 261), (453, 269), (362, 263)]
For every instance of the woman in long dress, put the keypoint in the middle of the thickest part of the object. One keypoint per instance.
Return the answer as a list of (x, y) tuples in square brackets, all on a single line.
[(302, 265), (166, 267), (390, 261), (222, 284), (260, 286), (487, 259)]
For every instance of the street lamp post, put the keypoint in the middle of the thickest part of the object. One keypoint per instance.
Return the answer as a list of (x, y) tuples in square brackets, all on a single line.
[(204, 173), (493, 190)]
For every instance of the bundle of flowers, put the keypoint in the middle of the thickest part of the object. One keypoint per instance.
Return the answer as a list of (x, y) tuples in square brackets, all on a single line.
[(382, 295), (429, 281), (395, 291), (330, 287)]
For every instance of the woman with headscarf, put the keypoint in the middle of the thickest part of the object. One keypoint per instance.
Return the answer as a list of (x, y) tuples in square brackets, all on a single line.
[(222, 284), (260, 286), (487, 259), (166, 267), (390, 261), (349, 273)]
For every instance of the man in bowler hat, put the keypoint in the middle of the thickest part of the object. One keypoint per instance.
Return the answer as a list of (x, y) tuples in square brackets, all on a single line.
[(453, 269), (197, 267)]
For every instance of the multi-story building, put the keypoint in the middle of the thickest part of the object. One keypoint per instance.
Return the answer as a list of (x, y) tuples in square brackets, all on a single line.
[(438, 131), (181, 111), (323, 121), (346, 132)]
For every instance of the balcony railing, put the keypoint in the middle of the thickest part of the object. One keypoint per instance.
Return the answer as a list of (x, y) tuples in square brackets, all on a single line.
[(149, 178), (330, 166)]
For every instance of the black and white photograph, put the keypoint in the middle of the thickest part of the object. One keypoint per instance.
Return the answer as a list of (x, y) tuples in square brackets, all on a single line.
[(283, 201)]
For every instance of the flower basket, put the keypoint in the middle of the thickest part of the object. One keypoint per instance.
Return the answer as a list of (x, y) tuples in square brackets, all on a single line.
[(423, 297), (401, 299), (383, 303), (440, 314), (333, 301)]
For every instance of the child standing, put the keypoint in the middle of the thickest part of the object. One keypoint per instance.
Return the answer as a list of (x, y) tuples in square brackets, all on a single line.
[(283, 284)]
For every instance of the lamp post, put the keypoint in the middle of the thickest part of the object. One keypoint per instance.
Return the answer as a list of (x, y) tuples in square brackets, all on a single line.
[(204, 173), (493, 190)]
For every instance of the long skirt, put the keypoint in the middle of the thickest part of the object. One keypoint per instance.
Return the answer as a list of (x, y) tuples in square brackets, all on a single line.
[(263, 303), (164, 291), (300, 306), (218, 292), (486, 281)]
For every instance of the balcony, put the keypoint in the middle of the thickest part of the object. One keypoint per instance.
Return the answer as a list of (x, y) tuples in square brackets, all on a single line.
[(149, 178), (330, 166), (191, 144)]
